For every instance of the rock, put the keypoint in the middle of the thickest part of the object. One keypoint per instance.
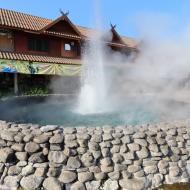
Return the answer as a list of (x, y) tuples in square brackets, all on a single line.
[(107, 169), (105, 152), (32, 147), (123, 148), (28, 137), (7, 155), (172, 132), (111, 185), (96, 138), (172, 143), (41, 139), (132, 184), (164, 149), (53, 172), (27, 170), (22, 163), (67, 176), (37, 158), (153, 148), (11, 182), (121, 167), (87, 159), (157, 180), (55, 147), (133, 168), (176, 150), (97, 154), (129, 156), (77, 186), (7, 135), (149, 163), (56, 139), (2, 143), (150, 169), (36, 132), (2, 166), (139, 174), (133, 147), (163, 164), (117, 141), (19, 138), (70, 137), (85, 176), (151, 140), (41, 165), (117, 158), (18, 147), (71, 144), (105, 144), (106, 161), (22, 156), (31, 182), (141, 142), (143, 153), (115, 149), (57, 157), (107, 137), (126, 139), (93, 185), (52, 183), (41, 172), (81, 150), (94, 169), (14, 170), (114, 175), (100, 176), (139, 135), (69, 130), (48, 128), (73, 162), (174, 171)]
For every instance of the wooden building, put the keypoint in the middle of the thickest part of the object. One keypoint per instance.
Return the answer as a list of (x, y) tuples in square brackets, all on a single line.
[(33, 45)]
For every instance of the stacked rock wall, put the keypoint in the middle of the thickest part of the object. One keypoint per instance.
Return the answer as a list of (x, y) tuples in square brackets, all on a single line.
[(81, 158)]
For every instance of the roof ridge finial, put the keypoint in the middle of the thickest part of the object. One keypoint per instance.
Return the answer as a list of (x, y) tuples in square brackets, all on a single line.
[(64, 13), (113, 26)]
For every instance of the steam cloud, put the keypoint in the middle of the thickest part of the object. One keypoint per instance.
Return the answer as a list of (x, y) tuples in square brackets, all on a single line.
[(157, 78)]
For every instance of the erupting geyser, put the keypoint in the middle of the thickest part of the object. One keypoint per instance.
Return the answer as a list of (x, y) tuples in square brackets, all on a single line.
[(92, 98)]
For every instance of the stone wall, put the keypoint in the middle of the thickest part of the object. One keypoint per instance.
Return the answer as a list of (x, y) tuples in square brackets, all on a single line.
[(128, 158)]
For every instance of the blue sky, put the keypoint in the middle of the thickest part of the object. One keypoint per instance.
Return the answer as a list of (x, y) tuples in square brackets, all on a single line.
[(127, 14)]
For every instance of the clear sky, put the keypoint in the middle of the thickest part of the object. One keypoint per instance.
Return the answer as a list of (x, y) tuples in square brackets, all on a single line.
[(120, 12)]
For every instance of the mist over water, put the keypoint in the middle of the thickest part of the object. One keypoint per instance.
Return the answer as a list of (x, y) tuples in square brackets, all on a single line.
[(152, 85), (157, 79)]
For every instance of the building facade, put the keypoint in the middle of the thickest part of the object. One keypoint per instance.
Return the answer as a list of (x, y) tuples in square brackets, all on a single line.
[(34, 45)]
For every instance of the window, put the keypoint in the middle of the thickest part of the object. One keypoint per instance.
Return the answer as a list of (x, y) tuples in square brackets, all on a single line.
[(67, 47), (37, 44), (6, 41)]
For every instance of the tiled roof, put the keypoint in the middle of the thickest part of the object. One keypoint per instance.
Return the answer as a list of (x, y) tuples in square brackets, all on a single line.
[(22, 20), (9, 18), (62, 34), (129, 41), (38, 58)]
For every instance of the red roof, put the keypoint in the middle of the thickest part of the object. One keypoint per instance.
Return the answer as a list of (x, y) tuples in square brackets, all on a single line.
[(38, 58), (17, 20)]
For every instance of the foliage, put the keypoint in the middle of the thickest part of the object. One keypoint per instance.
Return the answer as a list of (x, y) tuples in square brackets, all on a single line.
[(34, 90)]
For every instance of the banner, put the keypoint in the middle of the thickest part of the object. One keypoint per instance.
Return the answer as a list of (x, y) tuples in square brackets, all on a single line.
[(25, 67)]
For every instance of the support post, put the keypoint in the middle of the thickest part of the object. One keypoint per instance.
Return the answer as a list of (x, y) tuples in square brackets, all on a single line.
[(15, 83)]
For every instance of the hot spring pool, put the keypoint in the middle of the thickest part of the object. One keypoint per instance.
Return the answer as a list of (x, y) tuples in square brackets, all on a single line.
[(61, 111)]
